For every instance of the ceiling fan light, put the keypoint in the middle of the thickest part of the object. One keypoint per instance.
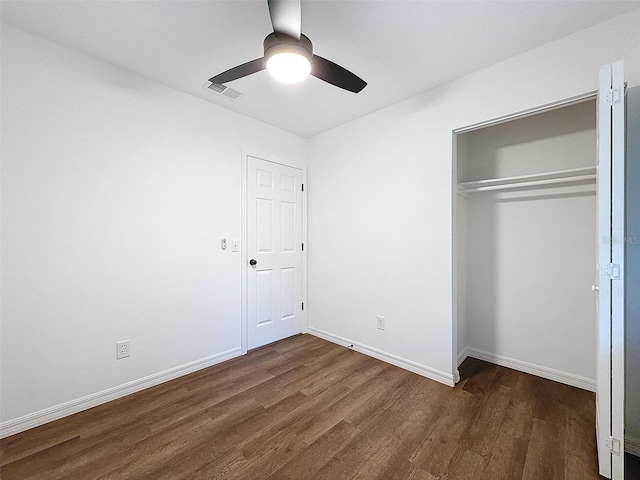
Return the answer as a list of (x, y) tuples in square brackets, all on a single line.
[(288, 67), (288, 59)]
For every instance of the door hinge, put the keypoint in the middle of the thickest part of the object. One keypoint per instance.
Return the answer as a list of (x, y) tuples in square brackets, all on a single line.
[(302, 187), (614, 96), (612, 271), (303, 305), (613, 444), (303, 247)]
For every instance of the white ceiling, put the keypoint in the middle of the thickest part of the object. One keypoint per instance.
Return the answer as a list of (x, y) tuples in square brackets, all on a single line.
[(399, 47)]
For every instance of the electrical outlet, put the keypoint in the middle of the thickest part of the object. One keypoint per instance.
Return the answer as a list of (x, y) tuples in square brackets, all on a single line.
[(380, 322), (122, 349)]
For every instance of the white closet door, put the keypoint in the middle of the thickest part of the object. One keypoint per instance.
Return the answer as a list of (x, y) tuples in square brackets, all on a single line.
[(610, 372)]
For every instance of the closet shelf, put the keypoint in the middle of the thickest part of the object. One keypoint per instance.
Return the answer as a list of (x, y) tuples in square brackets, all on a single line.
[(559, 177)]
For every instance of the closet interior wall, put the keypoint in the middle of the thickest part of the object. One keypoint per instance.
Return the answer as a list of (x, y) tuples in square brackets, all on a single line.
[(526, 247)]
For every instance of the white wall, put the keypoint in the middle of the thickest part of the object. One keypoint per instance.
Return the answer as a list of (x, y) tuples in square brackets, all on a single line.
[(116, 192), (561, 138), (632, 252), (380, 195)]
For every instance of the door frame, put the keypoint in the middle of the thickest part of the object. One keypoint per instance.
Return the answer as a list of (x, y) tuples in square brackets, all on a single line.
[(244, 258), (458, 357)]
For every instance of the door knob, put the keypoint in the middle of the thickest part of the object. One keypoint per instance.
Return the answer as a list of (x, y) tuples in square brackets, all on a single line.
[(253, 262), (595, 288)]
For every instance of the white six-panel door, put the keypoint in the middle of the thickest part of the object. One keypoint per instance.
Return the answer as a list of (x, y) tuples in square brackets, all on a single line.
[(274, 252)]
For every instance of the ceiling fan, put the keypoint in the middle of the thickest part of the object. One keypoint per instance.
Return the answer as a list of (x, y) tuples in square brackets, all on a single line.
[(288, 54)]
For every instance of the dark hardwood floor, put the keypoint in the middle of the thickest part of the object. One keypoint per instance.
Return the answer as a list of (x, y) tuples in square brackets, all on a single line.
[(631, 467), (304, 408)]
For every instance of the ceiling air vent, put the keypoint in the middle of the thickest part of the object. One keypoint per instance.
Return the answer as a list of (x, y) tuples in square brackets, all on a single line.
[(223, 90)]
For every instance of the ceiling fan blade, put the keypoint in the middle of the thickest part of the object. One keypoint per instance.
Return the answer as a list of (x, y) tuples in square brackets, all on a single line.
[(285, 17), (240, 71), (336, 75)]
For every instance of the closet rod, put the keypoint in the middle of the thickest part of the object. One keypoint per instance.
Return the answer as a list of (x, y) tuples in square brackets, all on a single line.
[(550, 181), (574, 175)]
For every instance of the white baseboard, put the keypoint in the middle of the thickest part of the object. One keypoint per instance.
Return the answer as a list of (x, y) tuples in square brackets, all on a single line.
[(538, 370), (632, 445), (404, 363), (56, 412)]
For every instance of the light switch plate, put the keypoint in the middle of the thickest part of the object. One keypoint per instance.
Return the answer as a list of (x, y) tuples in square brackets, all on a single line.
[(234, 245)]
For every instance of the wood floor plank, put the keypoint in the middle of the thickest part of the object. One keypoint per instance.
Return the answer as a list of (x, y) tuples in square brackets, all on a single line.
[(545, 458), (408, 471), (241, 433), (580, 448), (387, 384), (304, 408), (151, 452), (482, 379), (509, 450), (208, 463), (38, 464), (413, 412), (363, 374), (335, 373), (466, 465), (482, 433), (356, 456), (441, 441), (505, 377), (316, 455), (290, 421)]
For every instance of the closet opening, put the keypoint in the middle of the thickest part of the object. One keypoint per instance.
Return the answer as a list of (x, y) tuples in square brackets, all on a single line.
[(525, 242)]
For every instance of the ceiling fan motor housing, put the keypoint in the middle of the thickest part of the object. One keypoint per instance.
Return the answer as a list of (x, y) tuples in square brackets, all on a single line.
[(276, 43)]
